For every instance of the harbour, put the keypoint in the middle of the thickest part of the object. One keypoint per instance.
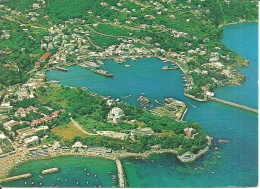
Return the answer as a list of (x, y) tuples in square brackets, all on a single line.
[(223, 160)]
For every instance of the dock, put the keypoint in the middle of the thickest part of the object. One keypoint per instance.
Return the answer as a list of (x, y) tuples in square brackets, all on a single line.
[(120, 172), (60, 68), (234, 104), (18, 177)]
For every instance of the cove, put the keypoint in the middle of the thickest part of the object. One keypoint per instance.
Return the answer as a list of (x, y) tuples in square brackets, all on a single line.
[(71, 171)]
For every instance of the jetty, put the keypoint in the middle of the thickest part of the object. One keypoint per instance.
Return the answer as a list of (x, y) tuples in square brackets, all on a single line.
[(49, 171), (60, 68), (18, 177), (120, 172), (234, 104)]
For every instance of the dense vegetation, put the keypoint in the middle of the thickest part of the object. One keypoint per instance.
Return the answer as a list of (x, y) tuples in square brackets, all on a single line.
[(151, 23), (91, 112)]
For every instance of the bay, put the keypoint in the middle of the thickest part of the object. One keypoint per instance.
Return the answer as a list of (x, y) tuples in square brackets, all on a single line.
[(231, 164)]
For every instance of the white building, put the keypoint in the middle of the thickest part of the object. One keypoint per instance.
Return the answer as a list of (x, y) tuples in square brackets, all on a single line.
[(32, 141), (2, 137), (115, 114)]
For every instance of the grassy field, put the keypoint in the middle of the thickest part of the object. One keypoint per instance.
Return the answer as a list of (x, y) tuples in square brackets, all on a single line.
[(67, 132), (6, 146)]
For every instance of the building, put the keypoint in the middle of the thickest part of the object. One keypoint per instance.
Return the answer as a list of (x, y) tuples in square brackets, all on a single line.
[(32, 141), (115, 114), (2, 137), (190, 133), (8, 125), (210, 94), (77, 145), (45, 56), (143, 131), (37, 64)]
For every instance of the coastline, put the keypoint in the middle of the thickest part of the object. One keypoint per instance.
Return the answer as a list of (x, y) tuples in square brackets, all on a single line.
[(116, 156)]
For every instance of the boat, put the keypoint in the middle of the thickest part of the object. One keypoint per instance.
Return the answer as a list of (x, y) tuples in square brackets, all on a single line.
[(192, 105), (127, 96), (169, 68), (103, 72), (127, 65)]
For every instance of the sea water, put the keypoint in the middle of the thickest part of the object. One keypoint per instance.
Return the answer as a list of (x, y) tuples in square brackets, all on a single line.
[(74, 171), (231, 164)]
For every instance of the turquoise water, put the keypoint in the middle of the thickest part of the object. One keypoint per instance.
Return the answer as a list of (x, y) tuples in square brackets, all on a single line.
[(143, 76), (71, 169), (237, 162)]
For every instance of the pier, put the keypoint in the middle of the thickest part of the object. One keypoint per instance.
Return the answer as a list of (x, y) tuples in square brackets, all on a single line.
[(234, 104), (120, 172), (62, 69), (18, 177)]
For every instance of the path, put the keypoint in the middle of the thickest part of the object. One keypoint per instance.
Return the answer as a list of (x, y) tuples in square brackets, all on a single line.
[(78, 126)]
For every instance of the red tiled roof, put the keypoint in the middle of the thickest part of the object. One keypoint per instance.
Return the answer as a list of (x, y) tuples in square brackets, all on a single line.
[(45, 56)]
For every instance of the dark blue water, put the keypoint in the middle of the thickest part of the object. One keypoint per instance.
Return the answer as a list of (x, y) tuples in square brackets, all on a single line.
[(232, 164)]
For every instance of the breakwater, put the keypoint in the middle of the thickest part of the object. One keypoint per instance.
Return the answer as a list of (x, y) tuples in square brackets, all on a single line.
[(120, 172), (49, 171), (234, 104), (18, 177)]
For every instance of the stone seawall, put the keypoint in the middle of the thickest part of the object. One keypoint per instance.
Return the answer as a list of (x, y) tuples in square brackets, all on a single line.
[(18, 177), (120, 172)]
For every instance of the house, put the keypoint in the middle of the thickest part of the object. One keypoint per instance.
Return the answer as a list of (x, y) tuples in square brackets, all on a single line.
[(8, 125), (2, 137), (37, 64), (22, 94), (32, 141), (190, 133), (45, 56), (23, 112), (77, 145), (115, 114)]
